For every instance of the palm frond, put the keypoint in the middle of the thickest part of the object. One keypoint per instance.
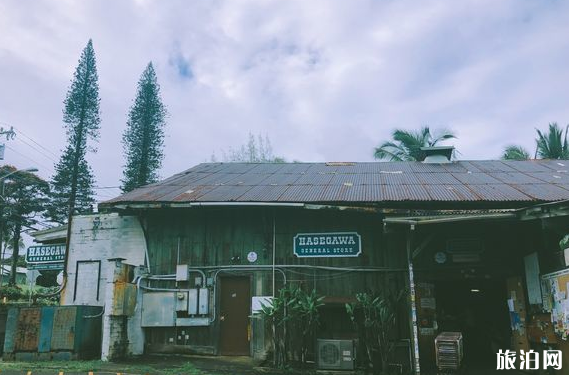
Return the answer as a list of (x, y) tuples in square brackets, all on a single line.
[(515, 152), (553, 144), (406, 145)]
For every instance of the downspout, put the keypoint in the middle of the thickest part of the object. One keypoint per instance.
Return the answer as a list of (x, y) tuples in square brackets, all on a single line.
[(412, 302)]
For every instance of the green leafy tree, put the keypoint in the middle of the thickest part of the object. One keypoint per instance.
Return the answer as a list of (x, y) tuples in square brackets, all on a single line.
[(406, 145), (143, 139), (73, 181), (515, 152), (553, 144), (25, 197)]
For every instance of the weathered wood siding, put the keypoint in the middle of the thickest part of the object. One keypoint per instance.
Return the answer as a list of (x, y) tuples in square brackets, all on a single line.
[(204, 237), (217, 237)]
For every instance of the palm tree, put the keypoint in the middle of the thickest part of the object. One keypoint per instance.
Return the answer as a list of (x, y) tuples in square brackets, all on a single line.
[(406, 145), (515, 152), (552, 145)]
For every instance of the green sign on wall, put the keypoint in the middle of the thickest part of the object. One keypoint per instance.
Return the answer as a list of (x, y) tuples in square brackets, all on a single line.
[(314, 245), (46, 254)]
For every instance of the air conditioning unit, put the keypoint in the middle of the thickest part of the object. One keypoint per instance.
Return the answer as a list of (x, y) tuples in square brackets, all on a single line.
[(336, 354)]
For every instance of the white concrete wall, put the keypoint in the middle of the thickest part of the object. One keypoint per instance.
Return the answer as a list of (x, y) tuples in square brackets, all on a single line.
[(102, 237)]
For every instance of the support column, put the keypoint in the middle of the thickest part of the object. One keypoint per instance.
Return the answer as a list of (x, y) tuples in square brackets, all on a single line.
[(118, 306), (412, 303)]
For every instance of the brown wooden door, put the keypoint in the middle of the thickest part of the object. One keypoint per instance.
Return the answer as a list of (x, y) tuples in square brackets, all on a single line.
[(235, 298)]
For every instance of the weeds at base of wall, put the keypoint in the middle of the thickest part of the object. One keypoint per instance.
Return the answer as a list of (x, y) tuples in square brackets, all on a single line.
[(86, 366), (20, 295)]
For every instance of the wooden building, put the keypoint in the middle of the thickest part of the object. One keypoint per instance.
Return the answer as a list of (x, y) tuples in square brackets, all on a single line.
[(192, 256)]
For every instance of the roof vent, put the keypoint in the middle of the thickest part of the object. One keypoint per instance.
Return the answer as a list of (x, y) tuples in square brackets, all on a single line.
[(437, 155)]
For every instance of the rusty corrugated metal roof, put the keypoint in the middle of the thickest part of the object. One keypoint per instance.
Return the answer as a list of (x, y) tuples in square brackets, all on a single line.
[(462, 181)]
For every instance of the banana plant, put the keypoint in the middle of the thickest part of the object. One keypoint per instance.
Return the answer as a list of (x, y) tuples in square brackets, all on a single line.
[(375, 318)]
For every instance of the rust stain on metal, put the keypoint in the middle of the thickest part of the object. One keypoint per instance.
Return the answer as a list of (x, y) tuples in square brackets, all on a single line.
[(63, 335), (124, 297), (27, 332)]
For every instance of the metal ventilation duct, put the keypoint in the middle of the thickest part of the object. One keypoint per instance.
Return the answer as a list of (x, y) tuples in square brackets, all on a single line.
[(437, 155)]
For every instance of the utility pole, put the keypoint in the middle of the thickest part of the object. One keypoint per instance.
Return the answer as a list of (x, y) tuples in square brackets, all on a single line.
[(10, 134)]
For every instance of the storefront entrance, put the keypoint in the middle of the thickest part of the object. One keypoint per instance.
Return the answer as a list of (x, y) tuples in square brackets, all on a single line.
[(478, 309)]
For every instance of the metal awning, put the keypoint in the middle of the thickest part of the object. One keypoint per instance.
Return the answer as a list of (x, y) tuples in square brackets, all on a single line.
[(451, 218)]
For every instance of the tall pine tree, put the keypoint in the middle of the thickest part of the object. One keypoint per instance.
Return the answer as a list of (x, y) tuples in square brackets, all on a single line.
[(143, 139), (72, 184)]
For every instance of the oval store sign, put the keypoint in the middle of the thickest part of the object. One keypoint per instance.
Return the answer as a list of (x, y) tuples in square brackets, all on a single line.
[(314, 245)]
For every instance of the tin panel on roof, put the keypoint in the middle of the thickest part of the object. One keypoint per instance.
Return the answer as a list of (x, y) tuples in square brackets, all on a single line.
[(367, 168), (263, 193), (162, 193), (552, 177), (544, 192), (457, 167), (190, 194), (249, 179), (494, 166), (515, 178), (300, 193), (526, 165), (268, 168), (238, 167), (399, 179), (347, 179), (453, 193), (282, 179), (314, 179), (427, 168), (395, 166), (184, 179), (555, 165), (141, 195), (346, 193), (500, 192), (216, 179), (475, 178), (405, 193), (294, 168), (224, 193), (436, 179), (468, 166)]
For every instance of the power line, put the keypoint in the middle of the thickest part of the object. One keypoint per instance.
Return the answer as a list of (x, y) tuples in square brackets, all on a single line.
[(31, 139), (29, 158), (43, 153)]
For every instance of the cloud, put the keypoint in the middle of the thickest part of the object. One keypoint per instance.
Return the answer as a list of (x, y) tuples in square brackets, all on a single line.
[(325, 80)]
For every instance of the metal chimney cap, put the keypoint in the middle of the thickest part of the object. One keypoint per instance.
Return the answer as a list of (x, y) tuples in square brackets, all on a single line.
[(438, 154)]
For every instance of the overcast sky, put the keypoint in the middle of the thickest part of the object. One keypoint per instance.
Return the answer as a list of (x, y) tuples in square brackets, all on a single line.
[(324, 80)]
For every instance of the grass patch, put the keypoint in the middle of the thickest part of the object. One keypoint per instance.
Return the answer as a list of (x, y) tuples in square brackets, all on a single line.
[(100, 366)]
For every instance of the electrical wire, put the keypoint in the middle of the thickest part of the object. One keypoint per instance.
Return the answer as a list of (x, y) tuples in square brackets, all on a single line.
[(19, 131), (30, 159), (42, 153)]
